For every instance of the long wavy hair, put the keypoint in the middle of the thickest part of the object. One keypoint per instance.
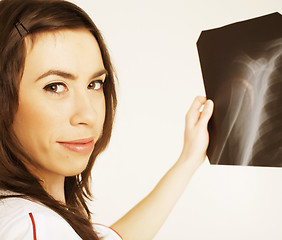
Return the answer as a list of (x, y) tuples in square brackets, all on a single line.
[(18, 20)]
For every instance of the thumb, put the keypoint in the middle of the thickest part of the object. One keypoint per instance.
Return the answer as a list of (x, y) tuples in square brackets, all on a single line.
[(206, 113)]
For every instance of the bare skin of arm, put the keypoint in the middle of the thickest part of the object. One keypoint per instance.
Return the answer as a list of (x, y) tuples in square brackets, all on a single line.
[(144, 220)]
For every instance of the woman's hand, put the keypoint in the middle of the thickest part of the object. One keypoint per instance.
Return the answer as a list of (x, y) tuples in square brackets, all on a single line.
[(144, 220), (196, 135)]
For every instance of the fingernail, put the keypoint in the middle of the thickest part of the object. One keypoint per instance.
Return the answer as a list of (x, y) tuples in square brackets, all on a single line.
[(209, 103)]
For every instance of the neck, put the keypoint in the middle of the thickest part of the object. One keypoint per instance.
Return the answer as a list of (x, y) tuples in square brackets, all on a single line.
[(55, 187), (53, 184)]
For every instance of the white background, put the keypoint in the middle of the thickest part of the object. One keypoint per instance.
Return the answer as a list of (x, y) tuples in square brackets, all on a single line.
[(153, 47)]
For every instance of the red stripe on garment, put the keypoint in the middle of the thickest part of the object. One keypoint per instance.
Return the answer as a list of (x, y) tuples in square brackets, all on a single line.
[(33, 226), (116, 232), (109, 228)]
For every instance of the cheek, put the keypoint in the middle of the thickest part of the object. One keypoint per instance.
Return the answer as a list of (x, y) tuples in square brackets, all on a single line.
[(103, 112), (33, 122), (104, 109), (25, 119)]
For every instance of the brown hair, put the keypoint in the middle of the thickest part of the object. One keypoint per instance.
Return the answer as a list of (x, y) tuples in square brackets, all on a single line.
[(39, 16)]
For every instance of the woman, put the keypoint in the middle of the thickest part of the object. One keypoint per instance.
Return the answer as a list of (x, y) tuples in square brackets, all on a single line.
[(58, 103)]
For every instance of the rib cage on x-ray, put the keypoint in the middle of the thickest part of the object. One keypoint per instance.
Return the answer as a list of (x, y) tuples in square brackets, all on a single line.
[(267, 149), (252, 120)]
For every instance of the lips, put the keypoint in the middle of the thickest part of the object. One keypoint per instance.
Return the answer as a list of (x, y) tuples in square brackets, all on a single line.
[(83, 146)]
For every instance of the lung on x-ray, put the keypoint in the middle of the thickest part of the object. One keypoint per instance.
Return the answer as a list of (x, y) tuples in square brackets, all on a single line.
[(242, 71)]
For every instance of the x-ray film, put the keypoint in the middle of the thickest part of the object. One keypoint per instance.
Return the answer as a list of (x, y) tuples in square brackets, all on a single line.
[(242, 72)]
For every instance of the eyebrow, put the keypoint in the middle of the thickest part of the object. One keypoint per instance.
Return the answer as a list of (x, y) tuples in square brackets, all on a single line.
[(70, 76)]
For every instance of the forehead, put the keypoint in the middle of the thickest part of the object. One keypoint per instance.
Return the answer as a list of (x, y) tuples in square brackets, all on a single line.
[(75, 50)]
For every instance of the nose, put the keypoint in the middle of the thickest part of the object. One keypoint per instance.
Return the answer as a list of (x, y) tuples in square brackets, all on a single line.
[(84, 110)]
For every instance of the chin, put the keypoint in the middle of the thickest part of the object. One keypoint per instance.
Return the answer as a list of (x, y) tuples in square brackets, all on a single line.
[(75, 170)]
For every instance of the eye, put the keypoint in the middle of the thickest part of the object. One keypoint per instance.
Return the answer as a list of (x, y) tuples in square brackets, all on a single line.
[(96, 85), (56, 88)]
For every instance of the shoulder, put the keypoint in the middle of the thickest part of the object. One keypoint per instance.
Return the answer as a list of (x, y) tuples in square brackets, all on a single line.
[(25, 219), (106, 233)]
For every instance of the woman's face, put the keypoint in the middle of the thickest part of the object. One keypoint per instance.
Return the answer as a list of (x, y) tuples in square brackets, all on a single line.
[(61, 102)]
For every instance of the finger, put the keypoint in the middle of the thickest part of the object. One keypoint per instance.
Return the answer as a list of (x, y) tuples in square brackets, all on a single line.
[(193, 113), (206, 113)]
